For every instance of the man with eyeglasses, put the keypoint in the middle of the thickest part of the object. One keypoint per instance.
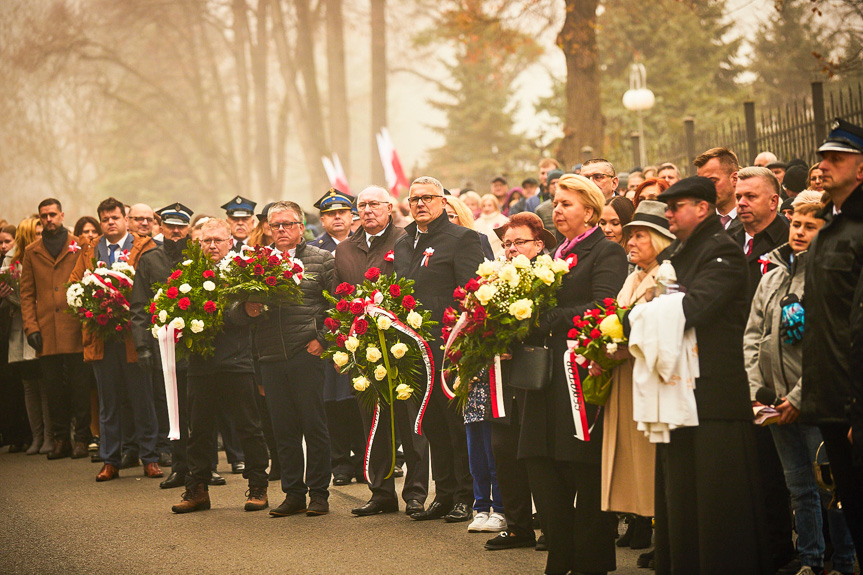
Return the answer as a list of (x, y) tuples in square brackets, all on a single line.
[(366, 249), (240, 213), (141, 220), (602, 173), (699, 520), (224, 382), (440, 256), (289, 341)]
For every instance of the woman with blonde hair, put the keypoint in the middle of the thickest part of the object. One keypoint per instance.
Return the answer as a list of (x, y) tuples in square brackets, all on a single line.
[(490, 218), (460, 215)]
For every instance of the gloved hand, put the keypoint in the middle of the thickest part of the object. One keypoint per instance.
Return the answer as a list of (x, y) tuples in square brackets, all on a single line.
[(35, 341), (792, 322), (549, 320), (146, 361)]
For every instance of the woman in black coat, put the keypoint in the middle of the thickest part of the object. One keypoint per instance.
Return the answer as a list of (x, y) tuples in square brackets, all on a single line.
[(560, 466)]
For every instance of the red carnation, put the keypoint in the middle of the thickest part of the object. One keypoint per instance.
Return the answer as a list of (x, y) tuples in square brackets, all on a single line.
[(595, 333), (608, 301), (184, 303), (576, 320), (572, 334), (297, 268), (176, 274), (459, 293), (361, 326), (341, 339), (454, 356), (332, 324), (471, 286), (88, 314), (153, 307), (271, 281), (409, 302), (240, 261), (119, 328), (99, 294), (172, 292), (445, 333), (210, 307), (372, 274), (344, 288), (357, 307), (395, 290), (479, 314), (610, 310), (154, 319), (208, 274), (102, 319), (259, 270), (450, 317), (343, 306)]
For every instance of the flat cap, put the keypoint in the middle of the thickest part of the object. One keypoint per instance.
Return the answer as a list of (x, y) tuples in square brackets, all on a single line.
[(696, 187)]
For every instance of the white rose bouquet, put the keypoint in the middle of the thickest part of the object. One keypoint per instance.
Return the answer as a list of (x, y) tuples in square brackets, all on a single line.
[(501, 305)]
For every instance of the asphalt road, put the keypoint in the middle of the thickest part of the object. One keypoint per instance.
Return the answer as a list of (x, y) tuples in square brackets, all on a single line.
[(57, 519)]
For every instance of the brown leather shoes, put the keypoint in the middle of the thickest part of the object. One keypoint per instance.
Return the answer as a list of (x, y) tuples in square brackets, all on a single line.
[(108, 473), (153, 470), (256, 499), (62, 448), (195, 498), (80, 451)]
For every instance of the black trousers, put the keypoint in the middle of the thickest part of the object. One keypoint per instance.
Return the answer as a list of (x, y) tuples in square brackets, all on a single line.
[(295, 398), (414, 448), (347, 445), (14, 425), (68, 394), (847, 478), (234, 393), (512, 476), (580, 537)]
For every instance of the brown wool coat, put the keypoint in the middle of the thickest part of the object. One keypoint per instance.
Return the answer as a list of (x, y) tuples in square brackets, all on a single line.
[(43, 298), (94, 346), (354, 257)]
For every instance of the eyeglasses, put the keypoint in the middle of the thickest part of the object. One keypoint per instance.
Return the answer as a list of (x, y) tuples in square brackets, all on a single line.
[(373, 206), (427, 199), (517, 243), (452, 217), (283, 225), (214, 241), (598, 177), (144, 220), (674, 206)]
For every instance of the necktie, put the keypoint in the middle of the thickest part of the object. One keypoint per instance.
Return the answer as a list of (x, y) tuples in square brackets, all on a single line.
[(748, 249), (725, 219), (112, 253)]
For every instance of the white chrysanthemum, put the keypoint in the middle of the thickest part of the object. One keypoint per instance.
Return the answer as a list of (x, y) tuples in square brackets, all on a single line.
[(611, 348), (403, 391), (351, 344), (209, 286), (155, 330), (158, 295), (197, 326), (415, 320), (361, 383), (560, 266), (373, 354), (177, 323), (384, 323), (521, 262), (163, 316), (486, 292), (399, 350), (340, 358), (380, 372), (187, 262), (185, 288), (521, 309)]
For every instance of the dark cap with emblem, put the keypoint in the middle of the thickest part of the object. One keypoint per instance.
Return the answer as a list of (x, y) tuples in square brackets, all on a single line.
[(240, 207), (695, 187), (176, 214), (843, 137), (334, 200), (263, 215)]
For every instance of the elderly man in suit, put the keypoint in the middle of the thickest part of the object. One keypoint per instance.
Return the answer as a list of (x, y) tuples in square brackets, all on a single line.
[(440, 256), (115, 362), (372, 246), (53, 332)]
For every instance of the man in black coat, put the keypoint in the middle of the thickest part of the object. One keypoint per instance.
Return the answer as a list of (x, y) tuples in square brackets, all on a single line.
[(709, 516), (833, 338), (372, 246), (440, 256), (720, 166)]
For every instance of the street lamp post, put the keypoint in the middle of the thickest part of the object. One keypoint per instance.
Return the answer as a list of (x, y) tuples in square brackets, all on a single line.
[(638, 99)]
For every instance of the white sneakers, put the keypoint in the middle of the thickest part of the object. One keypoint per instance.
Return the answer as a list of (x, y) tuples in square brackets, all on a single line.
[(484, 522)]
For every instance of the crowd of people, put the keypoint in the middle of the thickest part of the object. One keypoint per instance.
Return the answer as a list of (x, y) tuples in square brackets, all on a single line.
[(766, 285)]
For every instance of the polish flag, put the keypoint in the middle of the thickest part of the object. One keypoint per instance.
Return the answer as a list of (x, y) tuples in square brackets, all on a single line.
[(396, 179), (336, 173)]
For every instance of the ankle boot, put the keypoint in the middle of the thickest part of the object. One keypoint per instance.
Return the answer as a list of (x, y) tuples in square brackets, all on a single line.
[(627, 536), (62, 448), (642, 533), (196, 498)]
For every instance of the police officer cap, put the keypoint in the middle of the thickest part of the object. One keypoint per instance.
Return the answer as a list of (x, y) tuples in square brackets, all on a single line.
[(176, 214), (240, 207), (843, 137), (695, 187), (334, 200)]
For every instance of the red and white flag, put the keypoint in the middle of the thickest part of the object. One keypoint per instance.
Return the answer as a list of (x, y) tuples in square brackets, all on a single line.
[(336, 173), (396, 178)]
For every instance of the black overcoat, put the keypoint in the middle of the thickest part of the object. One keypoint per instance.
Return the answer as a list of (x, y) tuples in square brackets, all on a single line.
[(764, 242)]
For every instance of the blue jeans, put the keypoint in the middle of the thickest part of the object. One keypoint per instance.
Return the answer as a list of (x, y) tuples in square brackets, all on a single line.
[(797, 445), (486, 493)]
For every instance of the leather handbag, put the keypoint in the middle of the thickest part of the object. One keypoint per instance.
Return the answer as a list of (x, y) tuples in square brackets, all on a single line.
[(530, 367)]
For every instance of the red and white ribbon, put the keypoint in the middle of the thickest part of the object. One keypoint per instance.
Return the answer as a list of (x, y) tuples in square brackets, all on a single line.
[(109, 285), (495, 383), (390, 256), (166, 336), (427, 254), (456, 329), (74, 247), (764, 262), (576, 396), (376, 419)]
